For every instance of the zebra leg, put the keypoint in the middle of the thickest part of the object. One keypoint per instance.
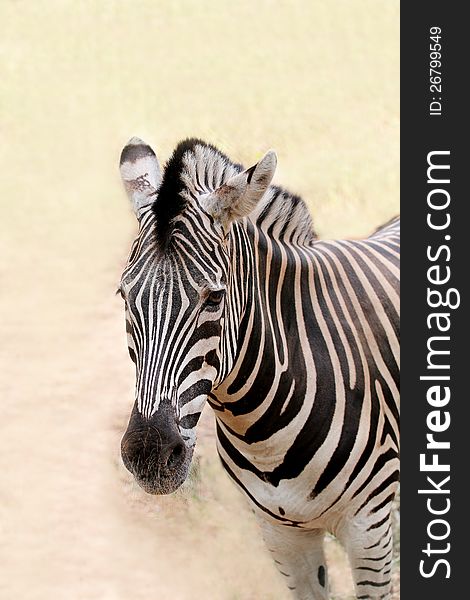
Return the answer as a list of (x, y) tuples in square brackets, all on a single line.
[(369, 545), (299, 557)]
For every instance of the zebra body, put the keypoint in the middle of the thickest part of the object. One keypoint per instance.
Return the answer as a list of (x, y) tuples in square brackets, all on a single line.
[(293, 341)]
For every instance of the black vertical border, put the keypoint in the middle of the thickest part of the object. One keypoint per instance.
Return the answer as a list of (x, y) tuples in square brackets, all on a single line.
[(420, 134)]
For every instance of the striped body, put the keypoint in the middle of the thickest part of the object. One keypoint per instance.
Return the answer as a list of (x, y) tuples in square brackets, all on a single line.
[(312, 400), (293, 341)]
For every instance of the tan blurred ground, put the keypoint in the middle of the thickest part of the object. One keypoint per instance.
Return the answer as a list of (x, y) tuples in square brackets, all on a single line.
[(317, 81)]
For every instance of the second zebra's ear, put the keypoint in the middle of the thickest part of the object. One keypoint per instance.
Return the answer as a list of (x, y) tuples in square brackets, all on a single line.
[(238, 196), (140, 172)]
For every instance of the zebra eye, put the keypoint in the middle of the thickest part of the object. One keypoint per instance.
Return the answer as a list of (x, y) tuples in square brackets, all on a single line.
[(214, 298)]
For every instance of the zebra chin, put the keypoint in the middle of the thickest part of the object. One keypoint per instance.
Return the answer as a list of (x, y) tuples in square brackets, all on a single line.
[(161, 484)]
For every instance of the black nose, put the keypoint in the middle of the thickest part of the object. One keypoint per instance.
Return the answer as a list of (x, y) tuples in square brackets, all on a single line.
[(148, 454), (153, 450)]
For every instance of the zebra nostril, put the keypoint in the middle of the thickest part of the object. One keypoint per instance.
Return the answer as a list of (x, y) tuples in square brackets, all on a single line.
[(175, 455)]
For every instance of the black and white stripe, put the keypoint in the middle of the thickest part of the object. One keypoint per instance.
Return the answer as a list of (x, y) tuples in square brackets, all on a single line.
[(293, 341)]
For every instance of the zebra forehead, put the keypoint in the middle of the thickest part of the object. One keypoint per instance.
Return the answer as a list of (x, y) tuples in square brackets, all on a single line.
[(194, 167), (148, 268)]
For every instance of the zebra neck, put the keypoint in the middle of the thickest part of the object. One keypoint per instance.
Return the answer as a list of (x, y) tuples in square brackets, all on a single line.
[(264, 250), (267, 273), (319, 336)]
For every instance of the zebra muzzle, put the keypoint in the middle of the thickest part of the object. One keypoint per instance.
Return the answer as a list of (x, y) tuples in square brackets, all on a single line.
[(155, 453)]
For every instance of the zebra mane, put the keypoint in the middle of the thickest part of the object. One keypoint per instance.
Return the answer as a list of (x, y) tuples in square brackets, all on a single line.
[(197, 167)]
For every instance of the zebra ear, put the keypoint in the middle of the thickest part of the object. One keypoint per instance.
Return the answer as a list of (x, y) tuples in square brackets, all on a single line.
[(140, 172), (238, 196)]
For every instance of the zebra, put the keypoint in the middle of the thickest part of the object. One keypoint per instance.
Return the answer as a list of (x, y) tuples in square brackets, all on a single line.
[(231, 299)]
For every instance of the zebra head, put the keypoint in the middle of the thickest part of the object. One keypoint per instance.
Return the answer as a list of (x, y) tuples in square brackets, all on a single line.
[(181, 312)]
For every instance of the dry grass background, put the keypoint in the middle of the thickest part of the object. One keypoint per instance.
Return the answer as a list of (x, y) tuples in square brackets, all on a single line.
[(317, 81)]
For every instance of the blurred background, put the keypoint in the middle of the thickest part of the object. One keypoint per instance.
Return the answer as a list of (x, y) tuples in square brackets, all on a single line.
[(318, 82)]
